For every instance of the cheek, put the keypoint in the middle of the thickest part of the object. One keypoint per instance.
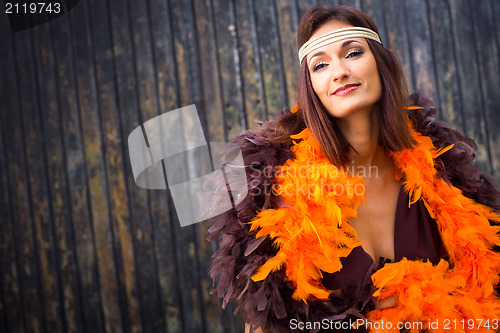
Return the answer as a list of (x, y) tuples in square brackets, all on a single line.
[(374, 77), (378, 84), (319, 83)]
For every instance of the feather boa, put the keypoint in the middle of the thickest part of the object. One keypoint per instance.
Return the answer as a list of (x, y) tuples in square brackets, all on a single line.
[(455, 290), (277, 278), (311, 230)]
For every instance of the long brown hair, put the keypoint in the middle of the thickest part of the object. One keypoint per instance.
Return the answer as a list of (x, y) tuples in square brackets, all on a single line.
[(394, 131)]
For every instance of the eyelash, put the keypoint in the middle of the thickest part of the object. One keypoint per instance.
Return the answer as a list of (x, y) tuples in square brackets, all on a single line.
[(318, 66), (354, 53), (351, 54)]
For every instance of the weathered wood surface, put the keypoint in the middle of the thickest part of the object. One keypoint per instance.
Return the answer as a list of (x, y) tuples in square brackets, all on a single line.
[(82, 248)]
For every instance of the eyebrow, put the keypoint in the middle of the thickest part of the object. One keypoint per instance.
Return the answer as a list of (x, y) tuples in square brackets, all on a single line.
[(344, 44)]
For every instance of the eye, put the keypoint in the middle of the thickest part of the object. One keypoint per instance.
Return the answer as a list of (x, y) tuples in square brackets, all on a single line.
[(319, 65), (354, 53)]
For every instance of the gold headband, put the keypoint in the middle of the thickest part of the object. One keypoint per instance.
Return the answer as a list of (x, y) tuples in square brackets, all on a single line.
[(335, 36)]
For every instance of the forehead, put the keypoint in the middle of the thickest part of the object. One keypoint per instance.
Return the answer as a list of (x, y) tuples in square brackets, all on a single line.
[(329, 26)]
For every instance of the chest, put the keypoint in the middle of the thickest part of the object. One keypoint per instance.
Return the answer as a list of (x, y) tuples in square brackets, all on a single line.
[(375, 222)]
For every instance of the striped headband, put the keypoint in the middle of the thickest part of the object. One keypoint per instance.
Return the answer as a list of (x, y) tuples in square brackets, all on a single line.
[(335, 36)]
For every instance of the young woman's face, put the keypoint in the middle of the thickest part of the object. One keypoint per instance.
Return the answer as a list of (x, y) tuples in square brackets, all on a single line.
[(344, 74)]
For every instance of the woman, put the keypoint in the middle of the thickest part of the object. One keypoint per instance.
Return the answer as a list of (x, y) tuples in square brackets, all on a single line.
[(362, 213)]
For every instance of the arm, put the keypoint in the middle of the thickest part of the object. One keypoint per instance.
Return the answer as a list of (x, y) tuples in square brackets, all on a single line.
[(240, 253)]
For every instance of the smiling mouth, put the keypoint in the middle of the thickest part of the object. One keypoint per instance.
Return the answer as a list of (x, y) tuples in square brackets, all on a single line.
[(346, 89)]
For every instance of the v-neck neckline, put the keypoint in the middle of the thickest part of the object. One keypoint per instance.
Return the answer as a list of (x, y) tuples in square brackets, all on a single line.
[(401, 196)]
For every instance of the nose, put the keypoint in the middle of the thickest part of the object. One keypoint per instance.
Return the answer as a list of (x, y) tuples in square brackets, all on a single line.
[(339, 71)]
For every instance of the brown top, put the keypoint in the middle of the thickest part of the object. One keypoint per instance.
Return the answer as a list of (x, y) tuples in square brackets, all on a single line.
[(416, 236)]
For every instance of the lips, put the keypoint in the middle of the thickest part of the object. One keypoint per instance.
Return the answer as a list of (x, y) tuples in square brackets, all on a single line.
[(343, 90)]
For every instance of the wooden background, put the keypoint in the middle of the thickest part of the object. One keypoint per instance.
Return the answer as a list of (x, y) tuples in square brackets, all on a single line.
[(82, 248)]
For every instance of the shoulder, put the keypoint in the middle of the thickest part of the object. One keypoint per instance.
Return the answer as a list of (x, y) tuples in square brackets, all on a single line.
[(456, 165), (262, 155), (261, 146), (240, 253)]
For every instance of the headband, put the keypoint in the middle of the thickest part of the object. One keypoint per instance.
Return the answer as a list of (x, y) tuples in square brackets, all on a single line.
[(335, 36)]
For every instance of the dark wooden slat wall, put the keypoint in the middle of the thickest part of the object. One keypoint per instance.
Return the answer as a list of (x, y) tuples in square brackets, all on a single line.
[(39, 186), (5, 241), (84, 66), (12, 279), (484, 33), (101, 132), (82, 248)]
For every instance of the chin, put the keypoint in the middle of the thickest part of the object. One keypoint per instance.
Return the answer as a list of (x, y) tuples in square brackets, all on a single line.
[(351, 108)]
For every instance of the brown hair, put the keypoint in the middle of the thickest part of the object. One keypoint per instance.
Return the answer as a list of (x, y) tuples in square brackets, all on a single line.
[(394, 131)]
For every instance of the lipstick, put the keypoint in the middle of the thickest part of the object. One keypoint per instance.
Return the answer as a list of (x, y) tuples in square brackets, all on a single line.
[(343, 90)]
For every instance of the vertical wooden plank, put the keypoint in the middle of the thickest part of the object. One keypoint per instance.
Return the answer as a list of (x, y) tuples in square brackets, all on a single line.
[(250, 62), (304, 5), (11, 297), (3, 208), (217, 319), (103, 149), (127, 112), (229, 60), (187, 52), (59, 196), (329, 2), (5, 221), (161, 212), (79, 233), (496, 126), (270, 56), (287, 20), (212, 104), (417, 22), (351, 3), (469, 79), (19, 194), (164, 55), (397, 35), (445, 65), (37, 171), (489, 67), (375, 9), (189, 87), (89, 201), (496, 18), (152, 319), (126, 81), (9, 267), (3, 311)]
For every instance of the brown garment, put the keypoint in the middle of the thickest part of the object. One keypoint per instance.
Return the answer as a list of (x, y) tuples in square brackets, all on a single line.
[(416, 236)]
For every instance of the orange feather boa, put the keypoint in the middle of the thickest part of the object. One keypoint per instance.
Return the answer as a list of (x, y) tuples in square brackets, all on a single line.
[(312, 234)]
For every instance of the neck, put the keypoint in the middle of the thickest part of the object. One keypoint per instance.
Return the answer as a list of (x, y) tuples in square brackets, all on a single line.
[(362, 131)]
